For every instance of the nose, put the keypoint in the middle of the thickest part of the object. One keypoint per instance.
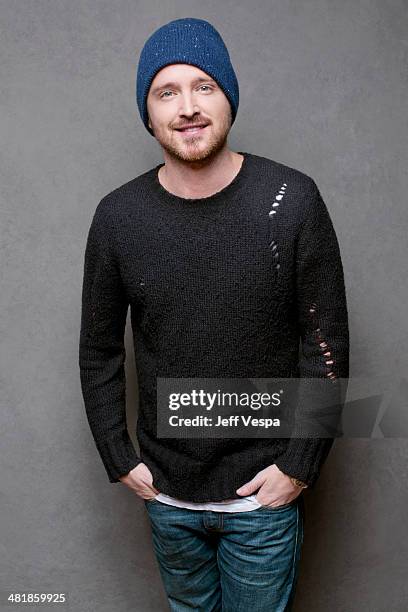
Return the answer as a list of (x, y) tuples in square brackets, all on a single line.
[(188, 106)]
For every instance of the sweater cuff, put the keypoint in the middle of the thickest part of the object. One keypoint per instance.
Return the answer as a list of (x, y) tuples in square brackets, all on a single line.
[(304, 458), (118, 455)]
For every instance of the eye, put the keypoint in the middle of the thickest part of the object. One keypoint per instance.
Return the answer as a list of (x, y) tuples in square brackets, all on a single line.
[(162, 95)]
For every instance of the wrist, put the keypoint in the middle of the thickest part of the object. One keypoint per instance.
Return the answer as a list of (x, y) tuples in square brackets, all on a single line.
[(298, 483)]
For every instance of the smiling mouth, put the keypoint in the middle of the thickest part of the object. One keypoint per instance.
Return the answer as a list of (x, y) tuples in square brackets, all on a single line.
[(192, 130)]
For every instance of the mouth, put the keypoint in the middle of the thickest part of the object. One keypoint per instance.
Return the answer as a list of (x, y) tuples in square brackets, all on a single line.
[(193, 129)]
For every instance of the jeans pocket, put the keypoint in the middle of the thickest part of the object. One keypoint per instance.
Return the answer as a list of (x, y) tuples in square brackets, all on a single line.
[(277, 508)]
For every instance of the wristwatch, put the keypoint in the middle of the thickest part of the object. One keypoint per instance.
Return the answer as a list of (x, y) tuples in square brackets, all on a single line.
[(298, 482)]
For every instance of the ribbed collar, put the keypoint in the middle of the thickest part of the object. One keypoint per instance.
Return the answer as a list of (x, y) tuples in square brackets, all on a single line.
[(237, 183)]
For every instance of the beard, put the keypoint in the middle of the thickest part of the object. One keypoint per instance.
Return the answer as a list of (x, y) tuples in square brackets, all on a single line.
[(196, 150)]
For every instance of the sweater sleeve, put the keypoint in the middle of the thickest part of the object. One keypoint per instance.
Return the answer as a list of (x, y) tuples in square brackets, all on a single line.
[(102, 351), (324, 335)]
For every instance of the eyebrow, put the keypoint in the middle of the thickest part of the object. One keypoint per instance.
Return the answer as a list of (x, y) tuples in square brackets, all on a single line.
[(175, 85)]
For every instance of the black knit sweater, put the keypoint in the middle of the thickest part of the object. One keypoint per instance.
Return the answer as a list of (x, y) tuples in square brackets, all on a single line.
[(224, 286)]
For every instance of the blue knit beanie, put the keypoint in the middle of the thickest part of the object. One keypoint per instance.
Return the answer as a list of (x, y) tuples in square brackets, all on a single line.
[(186, 41)]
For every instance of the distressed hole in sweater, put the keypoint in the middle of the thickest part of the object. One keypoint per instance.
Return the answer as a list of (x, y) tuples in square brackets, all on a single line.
[(272, 215), (322, 343)]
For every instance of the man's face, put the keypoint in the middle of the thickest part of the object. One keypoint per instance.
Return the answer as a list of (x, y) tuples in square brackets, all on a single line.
[(182, 95)]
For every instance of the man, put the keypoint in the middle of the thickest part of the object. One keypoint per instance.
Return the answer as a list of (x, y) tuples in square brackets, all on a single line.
[(227, 260)]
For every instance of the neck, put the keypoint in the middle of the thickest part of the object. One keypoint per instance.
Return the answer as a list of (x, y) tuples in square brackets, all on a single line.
[(202, 178)]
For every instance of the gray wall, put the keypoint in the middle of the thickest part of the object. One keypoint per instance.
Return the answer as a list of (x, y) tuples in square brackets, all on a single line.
[(323, 89)]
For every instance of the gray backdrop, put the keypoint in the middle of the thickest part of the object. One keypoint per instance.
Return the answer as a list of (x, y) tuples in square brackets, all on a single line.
[(323, 89)]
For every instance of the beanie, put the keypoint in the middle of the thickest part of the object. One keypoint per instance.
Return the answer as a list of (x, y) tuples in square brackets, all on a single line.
[(186, 41)]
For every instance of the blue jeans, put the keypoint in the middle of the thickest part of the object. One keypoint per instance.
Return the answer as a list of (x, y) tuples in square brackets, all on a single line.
[(228, 561)]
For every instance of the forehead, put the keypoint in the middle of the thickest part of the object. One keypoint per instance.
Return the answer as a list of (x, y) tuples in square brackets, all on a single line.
[(178, 72)]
